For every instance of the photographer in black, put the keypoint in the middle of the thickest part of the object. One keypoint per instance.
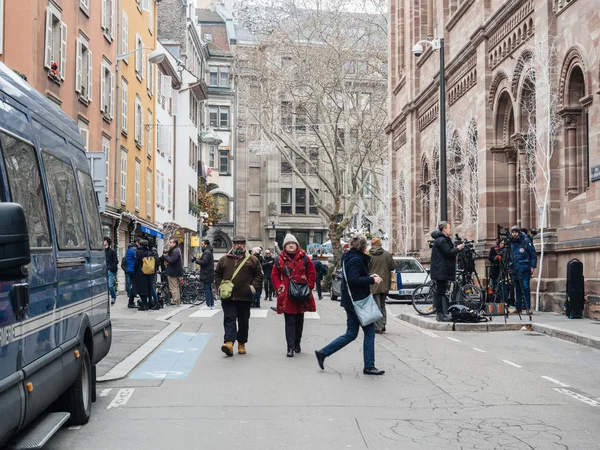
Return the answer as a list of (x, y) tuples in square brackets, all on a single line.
[(522, 263), (496, 256), (443, 267)]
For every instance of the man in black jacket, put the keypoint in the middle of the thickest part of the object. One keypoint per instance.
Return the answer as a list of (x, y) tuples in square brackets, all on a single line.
[(174, 270), (267, 266), (112, 265), (443, 267), (207, 271)]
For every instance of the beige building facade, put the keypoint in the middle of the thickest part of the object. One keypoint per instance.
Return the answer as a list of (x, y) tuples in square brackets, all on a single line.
[(490, 47)]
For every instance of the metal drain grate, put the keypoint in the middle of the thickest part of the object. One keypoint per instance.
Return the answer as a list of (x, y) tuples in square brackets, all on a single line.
[(534, 334)]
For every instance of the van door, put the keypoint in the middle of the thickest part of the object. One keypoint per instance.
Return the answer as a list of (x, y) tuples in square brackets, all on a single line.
[(21, 178), (73, 257), (98, 270)]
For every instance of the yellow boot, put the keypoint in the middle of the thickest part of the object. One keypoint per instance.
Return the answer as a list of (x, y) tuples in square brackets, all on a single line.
[(241, 349), (227, 348)]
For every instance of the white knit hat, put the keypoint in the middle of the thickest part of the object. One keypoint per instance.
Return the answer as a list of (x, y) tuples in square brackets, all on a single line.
[(290, 238)]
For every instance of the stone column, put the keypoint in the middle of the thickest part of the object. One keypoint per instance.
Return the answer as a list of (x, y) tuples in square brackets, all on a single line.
[(511, 157), (572, 177), (524, 188)]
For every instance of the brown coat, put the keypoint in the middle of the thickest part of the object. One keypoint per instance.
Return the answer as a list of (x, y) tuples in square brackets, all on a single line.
[(249, 275), (382, 264)]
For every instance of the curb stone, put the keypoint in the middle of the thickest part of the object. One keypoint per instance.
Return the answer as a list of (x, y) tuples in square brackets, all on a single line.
[(123, 369), (560, 333)]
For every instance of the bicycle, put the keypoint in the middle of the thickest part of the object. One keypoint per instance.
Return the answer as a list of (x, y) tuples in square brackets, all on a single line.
[(467, 294)]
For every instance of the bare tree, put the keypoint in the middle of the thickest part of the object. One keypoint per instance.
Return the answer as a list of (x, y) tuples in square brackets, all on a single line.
[(319, 95), (404, 225), (541, 104)]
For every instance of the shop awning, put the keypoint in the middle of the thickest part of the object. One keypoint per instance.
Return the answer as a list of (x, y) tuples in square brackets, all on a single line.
[(152, 232)]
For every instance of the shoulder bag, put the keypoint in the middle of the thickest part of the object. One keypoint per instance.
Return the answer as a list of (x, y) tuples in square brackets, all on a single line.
[(298, 292), (366, 309), (226, 287)]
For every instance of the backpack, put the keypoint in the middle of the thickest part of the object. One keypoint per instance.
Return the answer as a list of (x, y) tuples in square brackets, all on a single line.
[(462, 314), (148, 265)]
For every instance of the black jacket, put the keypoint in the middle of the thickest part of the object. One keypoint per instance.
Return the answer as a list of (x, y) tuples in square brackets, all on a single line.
[(267, 266), (356, 265), (174, 263), (207, 265), (319, 268), (495, 269), (443, 257), (142, 282), (112, 262)]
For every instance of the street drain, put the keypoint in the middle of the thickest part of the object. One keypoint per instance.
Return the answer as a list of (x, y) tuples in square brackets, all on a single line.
[(534, 334)]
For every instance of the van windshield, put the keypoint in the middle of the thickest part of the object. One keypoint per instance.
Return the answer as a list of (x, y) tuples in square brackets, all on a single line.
[(408, 266)]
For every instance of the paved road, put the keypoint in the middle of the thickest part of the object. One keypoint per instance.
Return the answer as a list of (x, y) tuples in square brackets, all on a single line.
[(505, 390)]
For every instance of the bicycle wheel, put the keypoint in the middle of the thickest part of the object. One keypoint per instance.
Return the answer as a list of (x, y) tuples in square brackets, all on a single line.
[(470, 296), (422, 299)]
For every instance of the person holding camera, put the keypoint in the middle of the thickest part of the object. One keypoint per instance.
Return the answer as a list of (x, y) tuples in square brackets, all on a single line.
[(443, 267), (495, 257), (522, 263)]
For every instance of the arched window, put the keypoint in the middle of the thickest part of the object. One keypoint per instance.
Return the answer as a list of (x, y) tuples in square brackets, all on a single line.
[(222, 203)]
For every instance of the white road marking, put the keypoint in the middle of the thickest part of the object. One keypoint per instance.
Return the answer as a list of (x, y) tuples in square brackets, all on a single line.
[(478, 350), (556, 382), (259, 313), (512, 364), (121, 398), (182, 350), (104, 393), (311, 315), (162, 374), (429, 333), (576, 396), (74, 427), (452, 339), (205, 313)]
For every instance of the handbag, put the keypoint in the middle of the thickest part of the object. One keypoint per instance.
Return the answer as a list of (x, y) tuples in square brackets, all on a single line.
[(366, 309), (226, 287)]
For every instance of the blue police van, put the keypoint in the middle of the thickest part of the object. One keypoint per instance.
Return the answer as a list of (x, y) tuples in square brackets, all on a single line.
[(54, 304)]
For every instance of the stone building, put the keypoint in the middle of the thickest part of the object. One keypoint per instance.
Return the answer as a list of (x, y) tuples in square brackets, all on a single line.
[(491, 46)]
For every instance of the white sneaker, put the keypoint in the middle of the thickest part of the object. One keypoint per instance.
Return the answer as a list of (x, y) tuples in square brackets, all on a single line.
[(212, 307)]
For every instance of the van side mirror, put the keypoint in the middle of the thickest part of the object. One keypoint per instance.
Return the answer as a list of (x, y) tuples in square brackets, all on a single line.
[(15, 255)]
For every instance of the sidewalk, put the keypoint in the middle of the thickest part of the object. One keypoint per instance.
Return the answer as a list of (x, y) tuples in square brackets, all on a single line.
[(581, 331), (135, 334)]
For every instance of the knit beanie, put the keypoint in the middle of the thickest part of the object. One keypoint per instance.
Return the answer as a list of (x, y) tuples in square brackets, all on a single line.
[(290, 238)]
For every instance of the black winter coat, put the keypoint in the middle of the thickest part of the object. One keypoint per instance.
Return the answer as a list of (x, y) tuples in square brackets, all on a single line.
[(356, 265), (175, 264), (443, 257), (495, 269), (267, 266), (112, 262), (207, 265), (142, 282)]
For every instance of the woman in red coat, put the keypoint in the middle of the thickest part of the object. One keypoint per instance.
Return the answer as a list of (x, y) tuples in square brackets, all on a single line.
[(293, 264)]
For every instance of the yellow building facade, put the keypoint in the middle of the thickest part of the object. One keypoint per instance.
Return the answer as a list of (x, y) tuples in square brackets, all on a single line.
[(137, 97)]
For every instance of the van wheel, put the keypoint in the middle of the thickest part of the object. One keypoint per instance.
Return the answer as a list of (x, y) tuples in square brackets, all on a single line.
[(79, 395)]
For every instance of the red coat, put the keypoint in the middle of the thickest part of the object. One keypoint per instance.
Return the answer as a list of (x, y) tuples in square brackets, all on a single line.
[(298, 271)]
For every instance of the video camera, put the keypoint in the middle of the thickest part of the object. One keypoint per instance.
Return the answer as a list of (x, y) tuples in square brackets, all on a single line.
[(468, 244)]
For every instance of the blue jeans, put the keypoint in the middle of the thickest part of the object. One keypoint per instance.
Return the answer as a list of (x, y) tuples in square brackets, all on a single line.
[(351, 334), (111, 285), (522, 292), (128, 283), (208, 294)]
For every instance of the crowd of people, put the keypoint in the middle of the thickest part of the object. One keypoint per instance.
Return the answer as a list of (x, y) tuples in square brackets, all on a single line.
[(290, 276)]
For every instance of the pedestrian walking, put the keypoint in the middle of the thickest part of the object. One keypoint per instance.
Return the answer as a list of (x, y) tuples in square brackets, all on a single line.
[(112, 266), (256, 251), (358, 280), (145, 267), (238, 276), (383, 264), (294, 279), (267, 266), (207, 271), (174, 270), (443, 267), (321, 271), (154, 303), (130, 259), (522, 263)]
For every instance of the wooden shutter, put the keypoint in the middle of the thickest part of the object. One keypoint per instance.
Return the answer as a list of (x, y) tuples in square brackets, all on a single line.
[(78, 67), (89, 80), (48, 52), (63, 51)]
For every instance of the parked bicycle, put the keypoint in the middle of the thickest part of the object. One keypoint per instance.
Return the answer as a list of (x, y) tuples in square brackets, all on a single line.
[(459, 292)]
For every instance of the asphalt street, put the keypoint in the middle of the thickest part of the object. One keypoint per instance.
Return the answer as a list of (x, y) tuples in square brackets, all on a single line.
[(441, 390)]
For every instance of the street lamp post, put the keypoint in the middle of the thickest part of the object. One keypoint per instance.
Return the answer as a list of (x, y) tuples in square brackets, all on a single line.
[(438, 45)]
